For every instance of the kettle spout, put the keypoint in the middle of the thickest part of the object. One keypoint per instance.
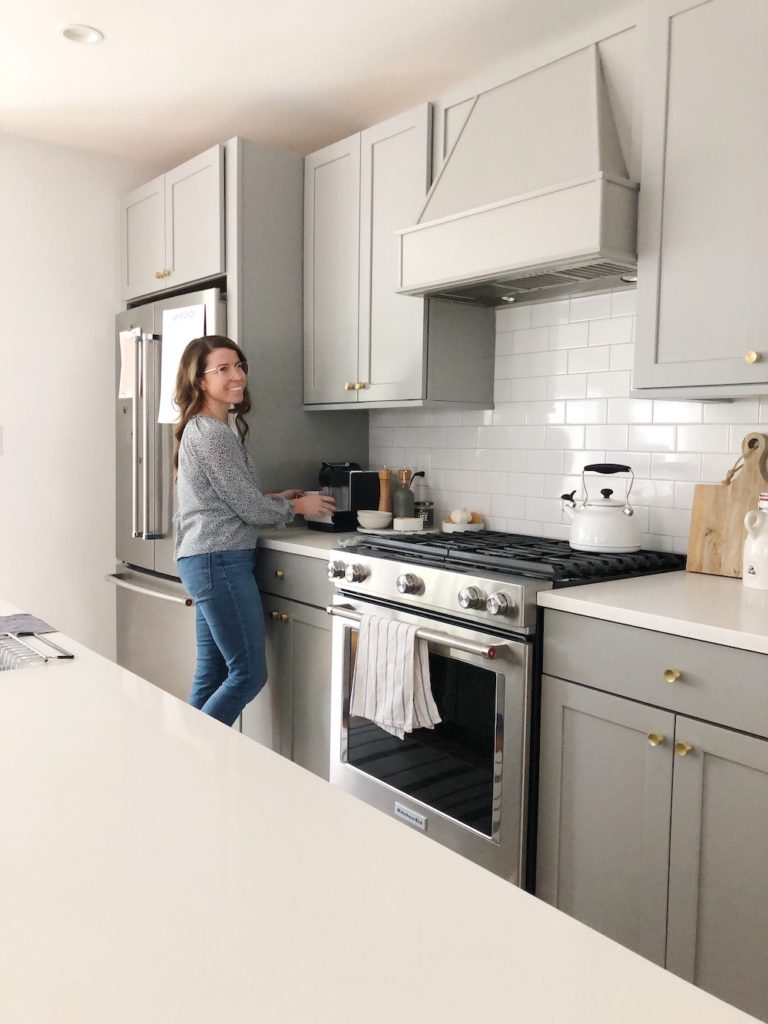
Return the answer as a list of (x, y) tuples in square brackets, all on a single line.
[(569, 504)]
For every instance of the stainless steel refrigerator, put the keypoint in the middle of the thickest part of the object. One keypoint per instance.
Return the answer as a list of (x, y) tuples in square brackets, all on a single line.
[(155, 619)]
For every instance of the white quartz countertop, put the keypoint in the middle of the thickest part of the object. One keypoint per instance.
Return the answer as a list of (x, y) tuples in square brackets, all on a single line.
[(156, 866), (711, 608), (298, 540)]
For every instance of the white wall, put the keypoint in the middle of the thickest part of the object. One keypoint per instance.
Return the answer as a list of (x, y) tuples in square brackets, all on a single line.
[(59, 271), (562, 381)]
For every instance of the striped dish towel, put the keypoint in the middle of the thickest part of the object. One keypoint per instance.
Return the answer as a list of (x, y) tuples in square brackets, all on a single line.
[(391, 684)]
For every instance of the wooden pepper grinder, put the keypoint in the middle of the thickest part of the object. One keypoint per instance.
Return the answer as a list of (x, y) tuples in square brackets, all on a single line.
[(385, 490)]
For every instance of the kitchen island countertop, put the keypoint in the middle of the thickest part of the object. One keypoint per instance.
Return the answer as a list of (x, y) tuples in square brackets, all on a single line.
[(158, 867), (711, 608)]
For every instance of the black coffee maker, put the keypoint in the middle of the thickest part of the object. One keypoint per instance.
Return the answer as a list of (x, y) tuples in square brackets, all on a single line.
[(352, 488)]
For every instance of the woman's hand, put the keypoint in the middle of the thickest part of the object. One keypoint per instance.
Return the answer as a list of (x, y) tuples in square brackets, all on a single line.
[(314, 505), (290, 494)]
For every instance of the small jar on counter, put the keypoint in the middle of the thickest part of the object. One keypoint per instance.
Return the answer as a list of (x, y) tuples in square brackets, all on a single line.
[(424, 507)]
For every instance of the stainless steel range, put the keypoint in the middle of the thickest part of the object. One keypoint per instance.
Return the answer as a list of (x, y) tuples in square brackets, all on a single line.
[(468, 782)]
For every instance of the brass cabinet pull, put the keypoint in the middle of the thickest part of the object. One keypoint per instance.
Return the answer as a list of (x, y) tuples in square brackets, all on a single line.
[(671, 675), (274, 615), (655, 739), (682, 748), (349, 385), (752, 357), (278, 616), (159, 274), (283, 616), (360, 385), (279, 573)]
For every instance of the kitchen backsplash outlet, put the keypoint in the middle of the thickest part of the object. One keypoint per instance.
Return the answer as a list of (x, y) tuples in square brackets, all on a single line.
[(562, 381)]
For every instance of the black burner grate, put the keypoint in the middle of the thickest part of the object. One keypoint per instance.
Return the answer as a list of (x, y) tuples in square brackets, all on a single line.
[(535, 557)]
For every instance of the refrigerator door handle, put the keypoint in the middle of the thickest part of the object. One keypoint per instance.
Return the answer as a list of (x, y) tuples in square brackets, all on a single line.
[(137, 397), (151, 529), (120, 581)]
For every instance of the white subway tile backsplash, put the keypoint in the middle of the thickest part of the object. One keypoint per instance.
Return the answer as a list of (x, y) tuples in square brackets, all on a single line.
[(569, 336), (711, 437), (562, 401), (590, 307), (513, 319), (588, 360), (572, 385), (606, 436), (655, 439), (547, 364), (616, 330), (543, 314), (588, 410), (615, 384)]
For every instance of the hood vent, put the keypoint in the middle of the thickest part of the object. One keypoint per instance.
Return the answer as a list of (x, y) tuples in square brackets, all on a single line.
[(533, 200)]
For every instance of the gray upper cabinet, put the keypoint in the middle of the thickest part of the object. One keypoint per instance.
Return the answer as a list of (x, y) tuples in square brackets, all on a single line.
[(172, 228), (653, 822), (703, 261), (364, 344)]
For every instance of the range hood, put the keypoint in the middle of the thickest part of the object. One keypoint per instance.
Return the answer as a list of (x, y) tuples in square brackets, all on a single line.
[(533, 199)]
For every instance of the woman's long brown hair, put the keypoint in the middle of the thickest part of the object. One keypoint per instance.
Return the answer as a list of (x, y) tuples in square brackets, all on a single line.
[(190, 397)]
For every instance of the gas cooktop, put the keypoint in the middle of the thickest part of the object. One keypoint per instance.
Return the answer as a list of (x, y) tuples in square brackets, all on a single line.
[(535, 557)]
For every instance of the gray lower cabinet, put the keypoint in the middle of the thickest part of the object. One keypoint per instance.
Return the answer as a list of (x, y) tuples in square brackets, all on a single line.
[(653, 824), (298, 659)]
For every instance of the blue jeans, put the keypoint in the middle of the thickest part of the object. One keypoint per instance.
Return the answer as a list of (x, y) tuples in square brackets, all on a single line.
[(231, 664)]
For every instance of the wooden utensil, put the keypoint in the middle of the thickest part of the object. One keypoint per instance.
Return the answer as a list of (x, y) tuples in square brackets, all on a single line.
[(717, 520)]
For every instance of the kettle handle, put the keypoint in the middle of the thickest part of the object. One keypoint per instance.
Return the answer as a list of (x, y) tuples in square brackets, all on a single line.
[(750, 522), (609, 467)]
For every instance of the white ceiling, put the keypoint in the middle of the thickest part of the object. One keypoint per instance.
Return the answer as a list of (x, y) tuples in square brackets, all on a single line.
[(173, 77)]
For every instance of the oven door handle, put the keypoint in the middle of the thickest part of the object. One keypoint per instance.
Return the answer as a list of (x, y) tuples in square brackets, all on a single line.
[(484, 650)]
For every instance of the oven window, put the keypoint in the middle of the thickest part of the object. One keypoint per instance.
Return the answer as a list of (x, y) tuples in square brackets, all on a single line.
[(451, 767)]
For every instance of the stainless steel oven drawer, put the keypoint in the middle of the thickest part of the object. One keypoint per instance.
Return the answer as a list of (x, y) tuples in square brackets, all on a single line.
[(295, 577), (691, 677)]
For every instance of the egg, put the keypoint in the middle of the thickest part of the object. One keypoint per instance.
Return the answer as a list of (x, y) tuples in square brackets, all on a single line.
[(460, 515)]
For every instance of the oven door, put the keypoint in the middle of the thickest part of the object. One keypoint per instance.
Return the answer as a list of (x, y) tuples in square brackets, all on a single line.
[(463, 783)]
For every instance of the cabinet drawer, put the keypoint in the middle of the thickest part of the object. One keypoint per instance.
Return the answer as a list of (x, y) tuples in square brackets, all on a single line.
[(296, 577), (719, 684)]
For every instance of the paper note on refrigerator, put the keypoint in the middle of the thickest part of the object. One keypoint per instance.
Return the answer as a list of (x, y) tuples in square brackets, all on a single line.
[(180, 326), (127, 383)]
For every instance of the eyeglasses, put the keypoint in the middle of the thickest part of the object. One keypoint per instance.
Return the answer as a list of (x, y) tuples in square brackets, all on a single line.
[(226, 368)]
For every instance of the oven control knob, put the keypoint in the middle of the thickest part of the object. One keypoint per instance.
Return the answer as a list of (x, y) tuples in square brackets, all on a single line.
[(355, 573), (407, 583), (336, 570), (471, 597), (499, 604)]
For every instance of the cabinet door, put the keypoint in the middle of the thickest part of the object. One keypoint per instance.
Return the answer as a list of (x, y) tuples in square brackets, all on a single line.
[(331, 272), (267, 719), (703, 261), (142, 240), (604, 806), (311, 667), (394, 178), (718, 897), (194, 219)]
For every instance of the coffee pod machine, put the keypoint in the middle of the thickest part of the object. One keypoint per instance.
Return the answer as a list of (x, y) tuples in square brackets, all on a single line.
[(352, 488)]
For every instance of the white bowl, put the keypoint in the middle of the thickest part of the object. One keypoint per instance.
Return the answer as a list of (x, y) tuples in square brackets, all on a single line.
[(462, 527), (372, 519), (407, 523)]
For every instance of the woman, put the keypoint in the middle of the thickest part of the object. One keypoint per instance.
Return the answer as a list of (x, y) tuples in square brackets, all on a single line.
[(220, 509)]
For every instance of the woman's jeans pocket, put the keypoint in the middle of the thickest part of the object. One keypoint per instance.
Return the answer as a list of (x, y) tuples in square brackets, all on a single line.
[(195, 573)]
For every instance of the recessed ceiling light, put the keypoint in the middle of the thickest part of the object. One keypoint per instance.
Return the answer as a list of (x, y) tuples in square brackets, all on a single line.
[(82, 34), (629, 278), (509, 298)]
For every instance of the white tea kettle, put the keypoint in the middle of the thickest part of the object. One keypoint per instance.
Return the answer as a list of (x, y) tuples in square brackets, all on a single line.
[(603, 525), (755, 565)]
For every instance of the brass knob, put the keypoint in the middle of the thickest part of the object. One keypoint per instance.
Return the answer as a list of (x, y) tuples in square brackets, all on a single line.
[(671, 675), (283, 616), (360, 385), (274, 615), (349, 385), (159, 274), (752, 357), (655, 739), (280, 573), (682, 748)]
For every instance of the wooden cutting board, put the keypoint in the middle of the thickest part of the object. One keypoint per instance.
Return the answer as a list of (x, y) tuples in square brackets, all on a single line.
[(717, 521)]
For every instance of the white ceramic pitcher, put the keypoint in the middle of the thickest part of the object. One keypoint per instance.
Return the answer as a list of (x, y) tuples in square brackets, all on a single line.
[(755, 565)]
